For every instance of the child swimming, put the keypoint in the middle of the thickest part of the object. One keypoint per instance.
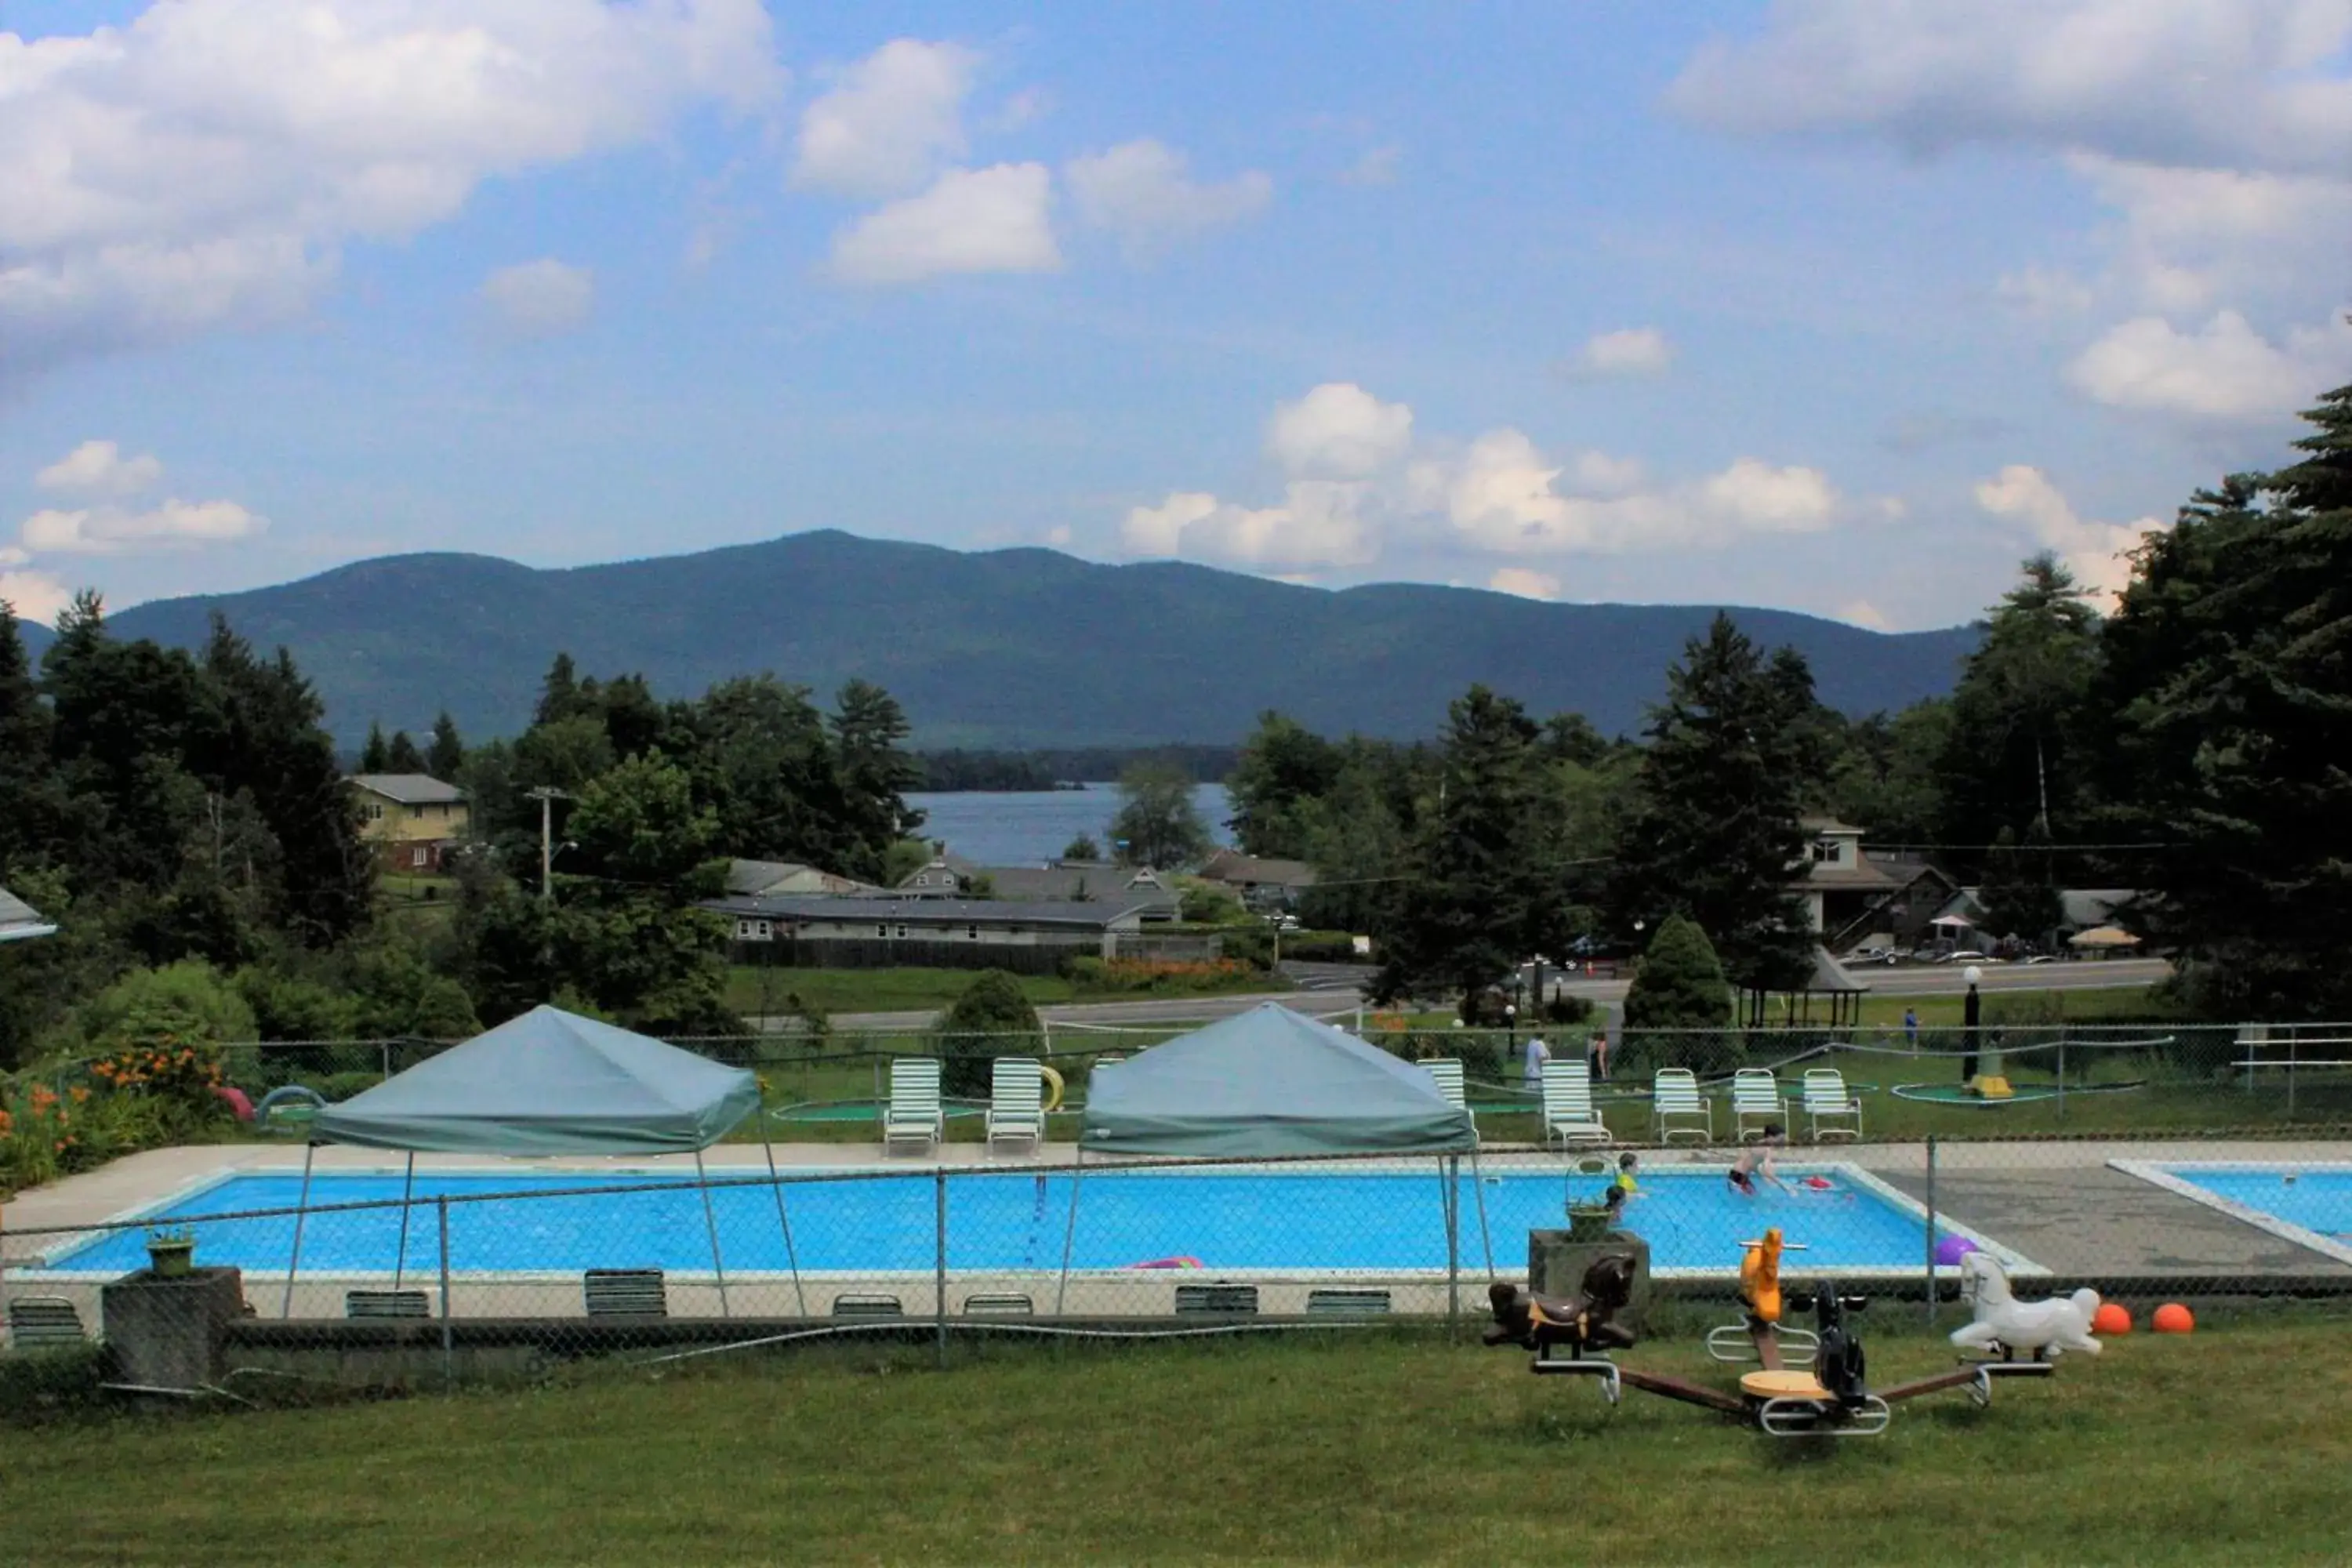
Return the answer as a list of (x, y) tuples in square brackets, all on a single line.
[(1756, 1161)]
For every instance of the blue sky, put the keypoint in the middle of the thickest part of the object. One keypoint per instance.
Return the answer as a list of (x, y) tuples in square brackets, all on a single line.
[(1838, 305)]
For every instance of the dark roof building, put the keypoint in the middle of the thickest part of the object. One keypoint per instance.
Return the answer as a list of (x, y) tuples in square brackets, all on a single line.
[(409, 789)]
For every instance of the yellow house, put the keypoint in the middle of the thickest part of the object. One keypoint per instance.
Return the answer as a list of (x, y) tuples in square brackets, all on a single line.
[(413, 819)]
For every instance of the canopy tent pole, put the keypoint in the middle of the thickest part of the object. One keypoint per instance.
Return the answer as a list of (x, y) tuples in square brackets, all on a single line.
[(1070, 1231), (407, 1191), (1478, 1190), (710, 1223), (1449, 1180), (301, 1210), (776, 1185)]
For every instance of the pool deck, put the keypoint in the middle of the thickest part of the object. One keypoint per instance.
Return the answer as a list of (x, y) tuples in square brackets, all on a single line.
[(2060, 1204)]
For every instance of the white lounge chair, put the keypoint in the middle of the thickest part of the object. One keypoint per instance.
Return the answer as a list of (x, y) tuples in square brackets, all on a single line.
[(1447, 1072), (1568, 1112), (913, 1116), (1016, 1103), (1827, 1099), (1755, 1103), (1676, 1107)]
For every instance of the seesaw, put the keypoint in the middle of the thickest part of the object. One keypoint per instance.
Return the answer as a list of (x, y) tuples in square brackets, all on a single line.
[(1578, 1336)]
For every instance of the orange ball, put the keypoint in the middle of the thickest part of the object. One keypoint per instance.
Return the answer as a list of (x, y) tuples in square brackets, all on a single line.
[(2111, 1319), (2172, 1317)]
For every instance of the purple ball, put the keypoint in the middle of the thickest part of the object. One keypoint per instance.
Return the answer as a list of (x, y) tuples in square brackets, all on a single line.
[(1952, 1248)]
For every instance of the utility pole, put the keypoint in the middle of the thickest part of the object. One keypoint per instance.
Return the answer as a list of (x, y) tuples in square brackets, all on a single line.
[(547, 796)]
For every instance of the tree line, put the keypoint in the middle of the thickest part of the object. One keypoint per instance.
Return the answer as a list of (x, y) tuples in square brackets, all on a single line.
[(2191, 746)]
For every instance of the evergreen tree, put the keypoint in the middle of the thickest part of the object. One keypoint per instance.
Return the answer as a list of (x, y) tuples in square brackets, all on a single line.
[(1679, 993), (2020, 899), (1478, 897), (560, 695), (28, 824), (2015, 754), (2228, 678), (376, 756), (401, 756), (873, 774), (1714, 836), (1082, 848), (991, 1018), (445, 758)]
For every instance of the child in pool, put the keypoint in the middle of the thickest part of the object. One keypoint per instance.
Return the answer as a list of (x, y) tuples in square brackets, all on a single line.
[(1622, 1185), (1756, 1161)]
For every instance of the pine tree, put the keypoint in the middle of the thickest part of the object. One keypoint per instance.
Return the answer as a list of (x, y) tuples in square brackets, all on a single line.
[(376, 756), (28, 823), (2228, 674), (559, 694), (401, 756), (445, 758), (1478, 898), (1716, 836)]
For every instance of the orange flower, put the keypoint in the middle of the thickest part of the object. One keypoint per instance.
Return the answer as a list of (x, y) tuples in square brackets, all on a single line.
[(81, 1096)]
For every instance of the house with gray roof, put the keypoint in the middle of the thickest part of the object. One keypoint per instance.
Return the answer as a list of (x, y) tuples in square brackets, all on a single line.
[(1063, 882), (412, 820), (886, 932)]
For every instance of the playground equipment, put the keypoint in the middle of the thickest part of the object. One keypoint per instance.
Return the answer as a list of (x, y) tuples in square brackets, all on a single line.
[(1578, 1335), (2006, 1325)]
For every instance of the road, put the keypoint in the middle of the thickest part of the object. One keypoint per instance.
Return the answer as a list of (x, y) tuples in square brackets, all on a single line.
[(1328, 989)]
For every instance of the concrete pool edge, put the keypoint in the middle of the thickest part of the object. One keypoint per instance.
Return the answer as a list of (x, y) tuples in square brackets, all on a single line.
[(2161, 1175)]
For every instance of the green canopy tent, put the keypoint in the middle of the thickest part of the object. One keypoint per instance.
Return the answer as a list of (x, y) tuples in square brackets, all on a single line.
[(1266, 1083), (549, 1082)]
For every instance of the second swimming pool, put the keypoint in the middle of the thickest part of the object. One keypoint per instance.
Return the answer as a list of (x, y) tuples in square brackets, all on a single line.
[(1290, 1220)]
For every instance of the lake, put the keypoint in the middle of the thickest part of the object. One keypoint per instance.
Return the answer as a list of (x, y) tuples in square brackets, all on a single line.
[(1030, 827)]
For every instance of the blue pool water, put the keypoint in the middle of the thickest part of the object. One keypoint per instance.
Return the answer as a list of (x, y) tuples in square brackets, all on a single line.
[(1237, 1220), (2316, 1198)]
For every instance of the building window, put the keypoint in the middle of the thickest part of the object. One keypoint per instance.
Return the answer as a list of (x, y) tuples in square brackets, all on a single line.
[(902, 933), (1825, 851), (422, 857), (882, 931), (374, 811), (416, 813), (972, 931), (923, 879)]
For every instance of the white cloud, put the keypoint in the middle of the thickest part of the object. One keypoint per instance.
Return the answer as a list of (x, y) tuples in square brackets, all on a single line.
[(202, 167), (1503, 496), (971, 220), (1863, 613), (1358, 480), (2092, 551), (1635, 351), (1377, 166), (34, 596), (542, 299), (1320, 524), (2223, 371), (896, 116), (2044, 291), (115, 531), (1339, 431), (100, 469), (1144, 193), (2231, 84), (1526, 583)]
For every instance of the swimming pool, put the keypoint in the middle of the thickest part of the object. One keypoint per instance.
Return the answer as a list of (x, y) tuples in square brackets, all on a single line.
[(2305, 1201), (1291, 1220)]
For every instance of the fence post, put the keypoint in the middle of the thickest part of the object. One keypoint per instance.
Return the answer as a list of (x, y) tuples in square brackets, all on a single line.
[(1451, 1168), (2061, 1071), (384, 1053), (1931, 1230), (940, 1279), (2291, 1035), (449, 1352)]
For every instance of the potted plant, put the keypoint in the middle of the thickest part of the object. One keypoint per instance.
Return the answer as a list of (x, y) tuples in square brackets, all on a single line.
[(172, 1252)]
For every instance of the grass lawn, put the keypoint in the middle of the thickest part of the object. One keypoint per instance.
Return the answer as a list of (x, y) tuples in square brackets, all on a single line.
[(2232, 1445), (755, 992)]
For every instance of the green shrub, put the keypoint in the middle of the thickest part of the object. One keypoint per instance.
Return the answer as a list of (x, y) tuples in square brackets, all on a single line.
[(296, 1006), (993, 1019), (1322, 947), (188, 1001), (1681, 1005), (1253, 945)]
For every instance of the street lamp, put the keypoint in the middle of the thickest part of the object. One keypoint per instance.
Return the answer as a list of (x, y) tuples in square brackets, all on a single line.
[(1970, 1010)]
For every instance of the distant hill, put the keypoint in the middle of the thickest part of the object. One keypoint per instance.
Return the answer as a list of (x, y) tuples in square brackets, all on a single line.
[(1001, 648)]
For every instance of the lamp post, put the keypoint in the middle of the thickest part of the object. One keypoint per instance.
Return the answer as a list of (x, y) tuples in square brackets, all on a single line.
[(1971, 1011)]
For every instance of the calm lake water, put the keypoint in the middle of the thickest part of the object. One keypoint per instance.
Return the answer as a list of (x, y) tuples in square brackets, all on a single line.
[(1030, 827)]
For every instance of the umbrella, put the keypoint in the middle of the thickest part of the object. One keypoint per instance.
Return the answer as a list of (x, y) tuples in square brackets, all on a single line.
[(2104, 936)]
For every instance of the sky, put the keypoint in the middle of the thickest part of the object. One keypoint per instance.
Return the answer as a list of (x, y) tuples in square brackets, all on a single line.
[(1840, 306)]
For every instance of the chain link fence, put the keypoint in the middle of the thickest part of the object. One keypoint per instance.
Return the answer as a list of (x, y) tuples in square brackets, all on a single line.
[(2147, 1163)]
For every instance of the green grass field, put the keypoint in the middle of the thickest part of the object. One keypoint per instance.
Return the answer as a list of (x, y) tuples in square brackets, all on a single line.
[(2232, 1445), (760, 993)]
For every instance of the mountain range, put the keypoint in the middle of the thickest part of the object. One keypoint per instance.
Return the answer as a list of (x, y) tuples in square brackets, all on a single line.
[(1004, 648)]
